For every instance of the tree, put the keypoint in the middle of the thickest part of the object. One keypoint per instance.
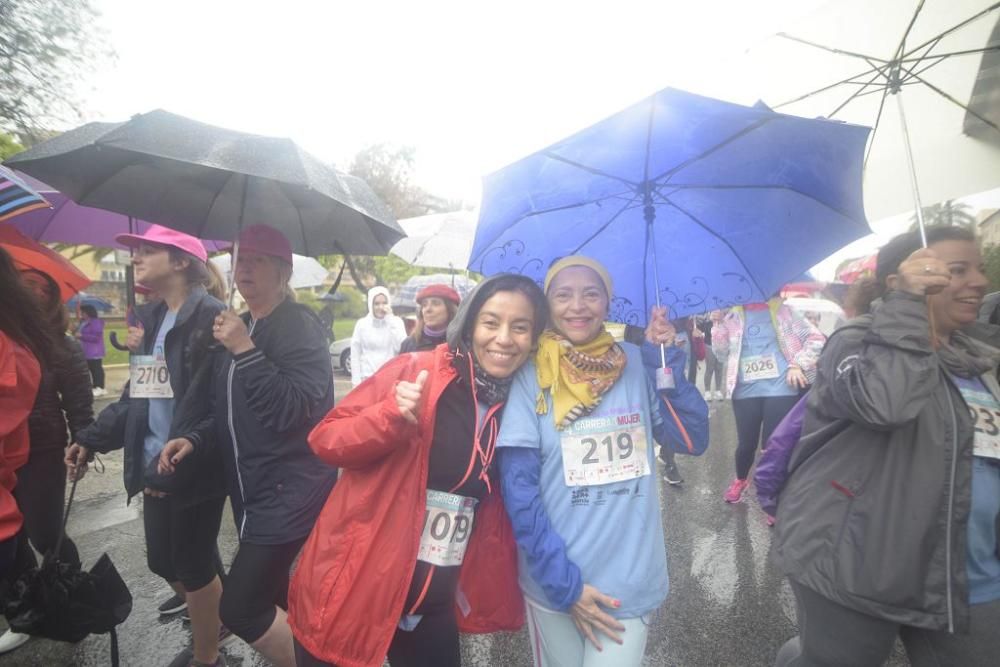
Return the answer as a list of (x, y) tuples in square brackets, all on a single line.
[(8, 146), (947, 214), (46, 48)]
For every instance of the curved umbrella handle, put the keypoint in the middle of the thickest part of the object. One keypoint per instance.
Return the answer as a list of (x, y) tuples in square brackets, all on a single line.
[(113, 339)]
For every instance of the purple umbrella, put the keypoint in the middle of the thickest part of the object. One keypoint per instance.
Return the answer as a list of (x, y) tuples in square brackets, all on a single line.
[(68, 222)]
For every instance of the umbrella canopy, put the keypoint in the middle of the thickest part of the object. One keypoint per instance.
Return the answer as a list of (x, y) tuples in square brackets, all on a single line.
[(17, 197), (406, 297), (210, 182), (719, 203), (306, 271), (441, 240), (84, 299), (68, 222), (906, 68), (29, 254)]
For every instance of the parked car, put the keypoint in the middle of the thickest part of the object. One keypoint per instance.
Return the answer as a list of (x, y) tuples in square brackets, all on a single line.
[(340, 355)]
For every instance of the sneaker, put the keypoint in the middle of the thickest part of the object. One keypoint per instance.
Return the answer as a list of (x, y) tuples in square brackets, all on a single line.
[(735, 490), (182, 659), (671, 475), (708, 395), (175, 604), (226, 636), (10, 640), (719, 396), (99, 391)]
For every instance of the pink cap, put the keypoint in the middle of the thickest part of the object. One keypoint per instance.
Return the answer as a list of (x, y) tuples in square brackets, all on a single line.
[(168, 237), (264, 240)]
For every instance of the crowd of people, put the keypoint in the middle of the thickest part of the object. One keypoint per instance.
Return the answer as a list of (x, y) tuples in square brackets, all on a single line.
[(499, 467)]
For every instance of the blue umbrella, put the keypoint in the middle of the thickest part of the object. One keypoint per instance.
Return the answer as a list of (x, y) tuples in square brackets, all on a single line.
[(690, 202), (84, 299)]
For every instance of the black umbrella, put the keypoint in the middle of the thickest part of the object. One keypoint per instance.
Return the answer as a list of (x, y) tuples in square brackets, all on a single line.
[(60, 601), (211, 182)]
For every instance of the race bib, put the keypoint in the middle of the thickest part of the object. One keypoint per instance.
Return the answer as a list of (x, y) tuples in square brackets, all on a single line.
[(149, 377), (447, 526), (986, 418), (759, 367), (604, 450)]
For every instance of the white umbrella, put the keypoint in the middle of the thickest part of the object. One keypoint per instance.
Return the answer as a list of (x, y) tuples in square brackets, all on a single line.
[(849, 59), (306, 271), (441, 240)]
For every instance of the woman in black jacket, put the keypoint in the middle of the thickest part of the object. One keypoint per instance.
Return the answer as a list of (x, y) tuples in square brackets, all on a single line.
[(273, 386), (166, 401), (64, 399)]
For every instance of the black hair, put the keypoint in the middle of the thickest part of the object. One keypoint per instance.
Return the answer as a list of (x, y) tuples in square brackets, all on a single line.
[(895, 252), (89, 311), (21, 317), (461, 327), (53, 310)]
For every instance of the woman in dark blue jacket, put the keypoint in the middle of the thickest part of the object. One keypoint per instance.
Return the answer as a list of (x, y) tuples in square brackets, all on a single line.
[(272, 387)]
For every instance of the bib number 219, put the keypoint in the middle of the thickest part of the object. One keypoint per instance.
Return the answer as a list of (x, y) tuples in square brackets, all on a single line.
[(625, 448)]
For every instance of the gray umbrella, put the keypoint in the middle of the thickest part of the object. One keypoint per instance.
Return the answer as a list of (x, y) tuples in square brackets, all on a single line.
[(210, 182)]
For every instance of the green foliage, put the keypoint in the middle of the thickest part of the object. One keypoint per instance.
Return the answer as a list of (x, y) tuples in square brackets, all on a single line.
[(47, 47), (991, 259), (8, 145), (388, 170), (948, 214)]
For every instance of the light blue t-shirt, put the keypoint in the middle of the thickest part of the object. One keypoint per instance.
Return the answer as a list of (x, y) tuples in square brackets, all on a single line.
[(761, 341), (613, 531), (161, 410), (982, 562)]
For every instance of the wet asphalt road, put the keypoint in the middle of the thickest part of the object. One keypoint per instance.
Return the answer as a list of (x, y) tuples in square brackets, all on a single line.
[(727, 605)]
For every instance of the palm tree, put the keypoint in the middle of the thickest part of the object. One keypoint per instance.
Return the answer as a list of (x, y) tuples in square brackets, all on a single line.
[(949, 213)]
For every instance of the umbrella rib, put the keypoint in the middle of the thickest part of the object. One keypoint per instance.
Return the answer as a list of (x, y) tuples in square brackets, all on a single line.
[(711, 231), (605, 225), (952, 29), (878, 119), (590, 170), (572, 206), (901, 49), (857, 93), (717, 147), (831, 49), (967, 52), (850, 79), (956, 102)]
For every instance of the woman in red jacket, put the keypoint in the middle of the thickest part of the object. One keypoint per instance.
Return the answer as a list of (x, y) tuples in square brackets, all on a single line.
[(413, 543)]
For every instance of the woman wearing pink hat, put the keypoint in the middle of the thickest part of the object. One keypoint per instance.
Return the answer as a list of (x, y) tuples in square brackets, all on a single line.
[(272, 386), (165, 402), (436, 308)]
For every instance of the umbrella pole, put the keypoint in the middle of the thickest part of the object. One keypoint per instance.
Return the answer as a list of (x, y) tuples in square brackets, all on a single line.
[(650, 214), (130, 271), (236, 244)]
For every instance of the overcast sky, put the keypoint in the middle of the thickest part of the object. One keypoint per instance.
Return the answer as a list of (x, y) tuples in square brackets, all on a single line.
[(471, 85)]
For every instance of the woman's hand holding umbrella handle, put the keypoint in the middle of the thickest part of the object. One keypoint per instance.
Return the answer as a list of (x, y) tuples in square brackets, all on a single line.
[(660, 331), (589, 617), (921, 273), (408, 395), (133, 341), (76, 462), (173, 452), (230, 330)]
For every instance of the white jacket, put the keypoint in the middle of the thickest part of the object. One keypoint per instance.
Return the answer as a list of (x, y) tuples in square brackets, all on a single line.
[(374, 341)]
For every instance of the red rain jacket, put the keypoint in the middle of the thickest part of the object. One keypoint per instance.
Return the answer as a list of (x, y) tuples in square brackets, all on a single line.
[(19, 378), (347, 594)]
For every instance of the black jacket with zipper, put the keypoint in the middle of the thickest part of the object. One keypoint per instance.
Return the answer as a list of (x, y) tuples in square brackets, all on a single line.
[(64, 398), (267, 400), (189, 349)]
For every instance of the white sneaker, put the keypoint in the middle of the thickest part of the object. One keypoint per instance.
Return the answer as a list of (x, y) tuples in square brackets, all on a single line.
[(719, 396), (10, 640), (99, 391), (708, 394)]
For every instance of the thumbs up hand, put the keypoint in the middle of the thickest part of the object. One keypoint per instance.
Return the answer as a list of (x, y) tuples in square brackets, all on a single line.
[(408, 397)]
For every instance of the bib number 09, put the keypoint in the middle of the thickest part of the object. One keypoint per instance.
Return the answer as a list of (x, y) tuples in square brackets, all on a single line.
[(623, 441)]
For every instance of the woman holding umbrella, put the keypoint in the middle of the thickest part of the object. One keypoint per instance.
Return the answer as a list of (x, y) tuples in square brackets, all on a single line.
[(272, 386), (576, 461), (436, 308), (163, 405), (64, 400), (416, 517)]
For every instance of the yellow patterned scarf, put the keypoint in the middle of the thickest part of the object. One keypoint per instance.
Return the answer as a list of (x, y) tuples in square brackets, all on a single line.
[(577, 376)]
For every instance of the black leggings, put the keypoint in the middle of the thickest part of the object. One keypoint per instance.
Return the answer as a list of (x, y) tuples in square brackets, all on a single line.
[(96, 367), (433, 643), (756, 419), (257, 582), (181, 541), (40, 495)]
